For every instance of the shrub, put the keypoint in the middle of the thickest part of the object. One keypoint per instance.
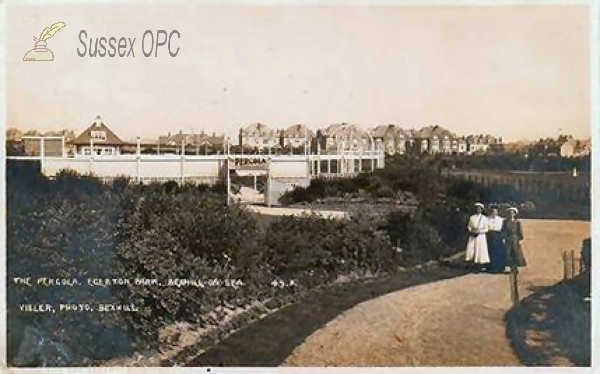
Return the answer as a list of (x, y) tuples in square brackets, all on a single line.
[(185, 236), (66, 236), (464, 190), (71, 182), (303, 246), (24, 176), (449, 218), (418, 240), (120, 185)]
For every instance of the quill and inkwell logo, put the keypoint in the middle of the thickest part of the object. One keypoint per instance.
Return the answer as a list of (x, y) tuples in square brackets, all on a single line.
[(40, 52)]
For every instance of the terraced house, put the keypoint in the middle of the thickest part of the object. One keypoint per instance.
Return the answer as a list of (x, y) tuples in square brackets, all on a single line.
[(434, 139), (393, 139), (296, 136), (259, 136), (481, 143), (344, 137)]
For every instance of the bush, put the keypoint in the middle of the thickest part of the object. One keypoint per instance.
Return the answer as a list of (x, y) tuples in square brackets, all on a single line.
[(186, 236), (449, 218), (417, 240), (317, 249), (24, 176), (64, 235), (70, 182), (420, 177)]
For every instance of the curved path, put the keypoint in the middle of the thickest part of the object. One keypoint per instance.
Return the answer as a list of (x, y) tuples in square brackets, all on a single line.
[(457, 322)]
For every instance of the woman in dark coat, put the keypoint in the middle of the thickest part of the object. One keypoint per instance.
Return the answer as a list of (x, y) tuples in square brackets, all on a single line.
[(512, 233), (495, 244)]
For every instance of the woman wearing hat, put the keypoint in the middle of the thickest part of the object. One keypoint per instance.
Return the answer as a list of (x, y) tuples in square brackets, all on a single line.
[(477, 250), (494, 242), (512, 232)]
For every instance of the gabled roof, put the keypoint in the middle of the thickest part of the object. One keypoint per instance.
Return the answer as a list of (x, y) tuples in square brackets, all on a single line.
[(331, 129), (383, 130), (344, 130), (202, 139), (258, 129), (298, 131), (98, 125), (430, 131)]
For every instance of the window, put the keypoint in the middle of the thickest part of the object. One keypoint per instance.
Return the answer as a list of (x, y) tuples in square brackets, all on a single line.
[(108, 151), (98, 135)]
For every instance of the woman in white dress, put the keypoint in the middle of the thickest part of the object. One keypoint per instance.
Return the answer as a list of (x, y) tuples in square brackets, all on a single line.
[(477, 250)]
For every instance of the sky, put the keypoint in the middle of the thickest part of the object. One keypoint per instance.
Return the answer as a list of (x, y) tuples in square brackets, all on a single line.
[(520, 72)]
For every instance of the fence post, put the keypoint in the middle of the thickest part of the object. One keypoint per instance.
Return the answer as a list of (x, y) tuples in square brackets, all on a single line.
[(573, 273), (514, 284), (181, 164), (228, 180), (565, 267), (43, 154)]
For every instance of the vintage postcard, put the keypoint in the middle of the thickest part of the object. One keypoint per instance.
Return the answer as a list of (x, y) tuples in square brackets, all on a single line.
[(275, 185)]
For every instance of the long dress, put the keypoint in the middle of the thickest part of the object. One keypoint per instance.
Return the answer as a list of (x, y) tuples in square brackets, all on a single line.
[(495, 246), (477, 250), (512, 232)]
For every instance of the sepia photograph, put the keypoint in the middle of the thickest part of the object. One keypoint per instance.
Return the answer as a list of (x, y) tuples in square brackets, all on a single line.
[(274, 185)]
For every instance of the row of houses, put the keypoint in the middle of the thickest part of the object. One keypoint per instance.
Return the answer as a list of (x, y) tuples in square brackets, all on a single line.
[(391, 138), (99, 139)]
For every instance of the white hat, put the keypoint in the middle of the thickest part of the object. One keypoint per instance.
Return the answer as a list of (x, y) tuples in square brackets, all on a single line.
[(514, 209), (479, 204)]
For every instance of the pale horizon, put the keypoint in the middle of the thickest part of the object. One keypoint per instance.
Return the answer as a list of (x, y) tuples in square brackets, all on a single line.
[(518, 72)]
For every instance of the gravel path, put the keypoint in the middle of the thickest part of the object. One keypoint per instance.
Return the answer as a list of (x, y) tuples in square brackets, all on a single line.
[(457, 322), (268, 341)]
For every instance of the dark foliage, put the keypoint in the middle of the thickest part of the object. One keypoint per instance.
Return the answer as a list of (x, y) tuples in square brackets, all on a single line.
[(62, 229), (438, 227), (188, 235), (422, 177), (315, 250), (74, 226)]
